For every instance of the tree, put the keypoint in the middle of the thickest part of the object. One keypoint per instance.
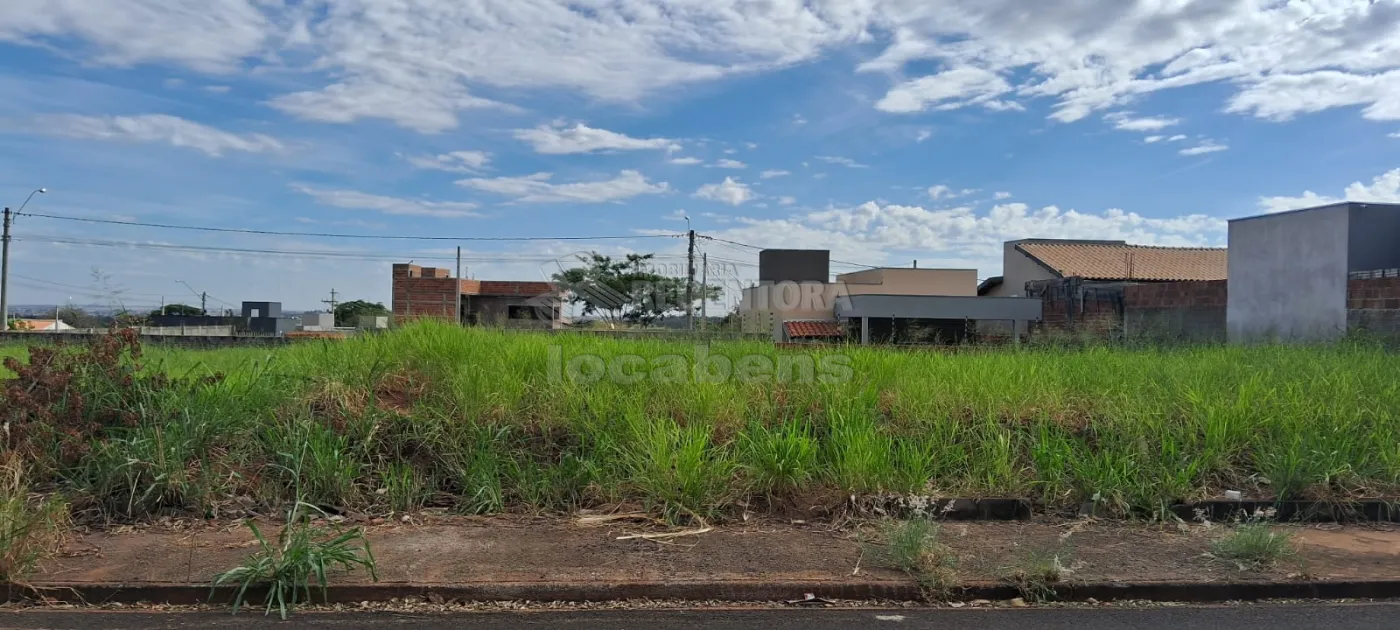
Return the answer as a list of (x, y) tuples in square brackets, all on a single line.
[(79, 318), (348, 313), (177, 310), (627, 291)]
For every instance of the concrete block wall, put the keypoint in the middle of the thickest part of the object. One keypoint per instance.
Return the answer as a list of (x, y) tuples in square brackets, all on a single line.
[(1373, 306), (1185, 311)]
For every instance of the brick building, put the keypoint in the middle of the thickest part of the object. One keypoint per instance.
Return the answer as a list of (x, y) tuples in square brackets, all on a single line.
[(430, 292)]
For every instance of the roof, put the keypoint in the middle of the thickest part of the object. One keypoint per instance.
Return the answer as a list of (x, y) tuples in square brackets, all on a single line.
[(1129, 262), (989, 284), (42, 324), (798, 329)]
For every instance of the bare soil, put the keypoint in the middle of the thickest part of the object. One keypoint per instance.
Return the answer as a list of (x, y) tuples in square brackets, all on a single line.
[(462, 550)]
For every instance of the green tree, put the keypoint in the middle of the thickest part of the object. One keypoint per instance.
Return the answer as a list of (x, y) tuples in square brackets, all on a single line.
[(348, 313), (627, 291), (177, 310), (79, 318)]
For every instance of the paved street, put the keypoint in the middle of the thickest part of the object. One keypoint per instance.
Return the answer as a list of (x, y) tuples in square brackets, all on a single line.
[(1249, 617)]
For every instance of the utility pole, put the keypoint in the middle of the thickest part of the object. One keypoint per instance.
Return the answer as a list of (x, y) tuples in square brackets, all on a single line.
[(5, 275), (458, 317), (704, 288), (203, 303), (331, 301), (690, 284)]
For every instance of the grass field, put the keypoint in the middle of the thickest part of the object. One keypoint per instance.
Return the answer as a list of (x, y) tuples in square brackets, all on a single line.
[(479, 421)]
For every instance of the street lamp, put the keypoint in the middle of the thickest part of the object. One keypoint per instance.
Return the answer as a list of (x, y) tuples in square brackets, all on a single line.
[(9, 219)]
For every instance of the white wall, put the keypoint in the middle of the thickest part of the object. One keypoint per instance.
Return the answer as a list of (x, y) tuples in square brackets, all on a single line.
[(1016, 270), (1288, 275)]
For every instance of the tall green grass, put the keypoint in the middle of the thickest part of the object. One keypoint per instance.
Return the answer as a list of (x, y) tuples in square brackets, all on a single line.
[(472, 419)]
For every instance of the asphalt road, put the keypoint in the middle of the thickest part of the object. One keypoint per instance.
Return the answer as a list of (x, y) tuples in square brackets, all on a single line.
[(1243, 617)]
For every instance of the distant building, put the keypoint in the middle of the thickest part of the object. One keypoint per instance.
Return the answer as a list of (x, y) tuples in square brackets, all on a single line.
[(1038, 260), (41, 325), (428, 292), (264, 318), (317, 322), (796, 301)]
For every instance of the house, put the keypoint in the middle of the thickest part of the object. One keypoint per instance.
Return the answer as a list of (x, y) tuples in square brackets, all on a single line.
[(40, 325), (796, 300), (1040, 260), (1316, 273), (260, 318), (429, 292)]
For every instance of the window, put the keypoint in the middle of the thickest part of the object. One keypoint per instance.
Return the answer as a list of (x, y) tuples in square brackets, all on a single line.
[(521, 312)]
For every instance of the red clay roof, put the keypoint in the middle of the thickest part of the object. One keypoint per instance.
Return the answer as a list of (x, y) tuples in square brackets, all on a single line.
[(1093, 261), (813, 329)]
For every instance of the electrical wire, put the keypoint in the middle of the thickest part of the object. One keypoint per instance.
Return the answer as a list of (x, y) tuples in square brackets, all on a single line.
[(337, 235), (721, 240)]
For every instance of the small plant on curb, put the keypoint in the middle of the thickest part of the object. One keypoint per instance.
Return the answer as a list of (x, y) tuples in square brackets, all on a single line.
[(912, 547), (31, 527), (303, 552), (1037, 574), (1254, 545)]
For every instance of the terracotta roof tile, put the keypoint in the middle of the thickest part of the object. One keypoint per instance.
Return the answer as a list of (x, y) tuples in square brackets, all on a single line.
[(798, 329), (1130, 262)]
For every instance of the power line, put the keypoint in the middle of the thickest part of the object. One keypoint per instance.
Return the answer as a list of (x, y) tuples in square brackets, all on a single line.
[(336, 235)]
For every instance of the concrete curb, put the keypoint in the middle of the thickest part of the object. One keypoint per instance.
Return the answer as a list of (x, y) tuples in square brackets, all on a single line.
[(1200, 592)]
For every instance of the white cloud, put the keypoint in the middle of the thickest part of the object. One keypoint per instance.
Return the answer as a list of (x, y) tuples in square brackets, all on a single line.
[(922, 135), (1393, 135), (962, 237), (1152, 139), (453, 162), (419, 63), (751, 145), (950, 89), (559, 139), (158, 128), (1001, 195), (356, 200), (771, 173), (728, 163), (786, 200), (1208, 146), (1123, 121), (939, 192), (1384, 188), (537, 188), (798, 119), (728, 191), (1177, 138), (841, 161), (685, 161)]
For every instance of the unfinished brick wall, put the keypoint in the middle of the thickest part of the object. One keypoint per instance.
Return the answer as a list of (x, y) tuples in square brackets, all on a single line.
[(1373, 305), (1184, 311), (425, 292)]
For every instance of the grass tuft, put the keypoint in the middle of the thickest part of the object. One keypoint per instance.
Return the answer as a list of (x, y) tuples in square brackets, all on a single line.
[(912, 547), (1254, 546), (1038, 572), (303, 553), (31, 527)]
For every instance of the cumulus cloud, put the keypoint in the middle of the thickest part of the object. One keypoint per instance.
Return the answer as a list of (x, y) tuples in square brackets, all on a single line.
[(356, 200), (538, 188), (157, 128), (1001, 195), (728, 163), (728, 191), (1384, 188), (453, 162), (771, 173), (558, 138)]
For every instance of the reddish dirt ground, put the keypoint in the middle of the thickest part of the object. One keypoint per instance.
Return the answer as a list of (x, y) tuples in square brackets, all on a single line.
[(445, 550)]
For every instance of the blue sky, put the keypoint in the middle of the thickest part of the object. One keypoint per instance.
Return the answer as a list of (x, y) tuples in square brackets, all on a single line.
[(886, 130)]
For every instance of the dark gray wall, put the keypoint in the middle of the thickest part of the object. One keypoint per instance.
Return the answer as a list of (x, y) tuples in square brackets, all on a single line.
[(1374, 237), (794, 265), (265, 309)]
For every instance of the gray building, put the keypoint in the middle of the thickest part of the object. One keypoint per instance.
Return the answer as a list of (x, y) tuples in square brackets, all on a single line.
[(1294, 275)]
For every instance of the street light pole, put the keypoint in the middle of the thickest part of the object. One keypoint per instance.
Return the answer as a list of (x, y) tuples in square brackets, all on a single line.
[(9, 220)]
